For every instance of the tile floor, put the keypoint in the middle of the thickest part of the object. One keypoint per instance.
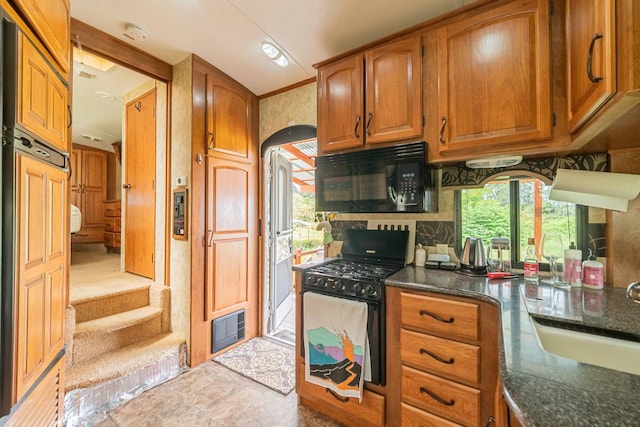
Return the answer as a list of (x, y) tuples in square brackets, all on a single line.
[(212, 395)]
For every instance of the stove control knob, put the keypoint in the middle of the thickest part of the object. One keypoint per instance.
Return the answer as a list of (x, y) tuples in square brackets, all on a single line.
[(320, 282), (340, 286), (371, 290), (357, 287)]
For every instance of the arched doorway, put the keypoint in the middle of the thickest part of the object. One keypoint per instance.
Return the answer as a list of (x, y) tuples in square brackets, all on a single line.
[(289, 167)]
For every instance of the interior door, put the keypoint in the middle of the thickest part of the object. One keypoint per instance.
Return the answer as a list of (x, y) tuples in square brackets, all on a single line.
[(140, 193), (281, 235)]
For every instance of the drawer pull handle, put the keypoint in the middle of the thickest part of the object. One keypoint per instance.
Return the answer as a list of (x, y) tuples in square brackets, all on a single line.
[(436, 397), (435, 356), (338, 397), (435, 316)]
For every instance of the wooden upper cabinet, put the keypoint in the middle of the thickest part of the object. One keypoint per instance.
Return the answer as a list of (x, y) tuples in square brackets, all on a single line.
[(51, 21), (393, 91), (591, 57), (341, 105), (494, 78), (42, 97), (228, 119), (371, 98)]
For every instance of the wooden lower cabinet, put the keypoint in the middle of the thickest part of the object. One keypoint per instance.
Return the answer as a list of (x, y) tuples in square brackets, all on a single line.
[(443, 351), (414, 417), (349, 411), (45, 405), (112, 224)]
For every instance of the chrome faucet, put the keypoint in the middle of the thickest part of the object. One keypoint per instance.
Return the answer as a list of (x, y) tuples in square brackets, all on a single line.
[(633, 291)]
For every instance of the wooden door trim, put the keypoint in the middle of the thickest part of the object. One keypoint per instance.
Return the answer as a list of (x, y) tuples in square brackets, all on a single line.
[(121, 53)]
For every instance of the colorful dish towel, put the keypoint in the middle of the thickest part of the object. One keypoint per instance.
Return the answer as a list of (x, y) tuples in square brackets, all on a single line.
[(336, 345)]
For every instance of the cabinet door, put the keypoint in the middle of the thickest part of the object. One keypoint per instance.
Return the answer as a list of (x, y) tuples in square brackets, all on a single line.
[(42, 97), (590, 57), (340, 105), (393, 91), (228, 119), (94, 178), (50, 19), (41, 277), (494, 78)]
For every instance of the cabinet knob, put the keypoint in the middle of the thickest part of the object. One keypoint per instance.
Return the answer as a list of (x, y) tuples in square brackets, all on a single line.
[(126, 186)]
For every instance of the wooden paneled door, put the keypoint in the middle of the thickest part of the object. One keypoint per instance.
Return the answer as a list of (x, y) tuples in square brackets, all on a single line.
[(140, 200), (41, 276), (229, 203)]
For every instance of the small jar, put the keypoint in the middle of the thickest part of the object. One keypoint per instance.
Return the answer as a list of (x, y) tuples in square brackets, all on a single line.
[(421, 256)]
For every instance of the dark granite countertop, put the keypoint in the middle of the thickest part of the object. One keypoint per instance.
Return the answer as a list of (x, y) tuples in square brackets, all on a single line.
[(544, 389)]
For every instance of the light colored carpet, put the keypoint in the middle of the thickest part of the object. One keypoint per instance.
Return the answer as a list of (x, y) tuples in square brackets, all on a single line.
[(95, 272), (263, 361)]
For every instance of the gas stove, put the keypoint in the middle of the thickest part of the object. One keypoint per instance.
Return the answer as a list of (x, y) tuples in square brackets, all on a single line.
[(368, 257), (349, 278)]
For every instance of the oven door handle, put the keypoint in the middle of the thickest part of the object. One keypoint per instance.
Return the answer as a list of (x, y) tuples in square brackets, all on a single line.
[(337, 396)]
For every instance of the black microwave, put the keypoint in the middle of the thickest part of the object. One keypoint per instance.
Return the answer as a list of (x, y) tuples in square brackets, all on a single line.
[(390, 179)]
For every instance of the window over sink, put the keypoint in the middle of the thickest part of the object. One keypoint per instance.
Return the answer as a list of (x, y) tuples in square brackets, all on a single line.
[(517, 207)]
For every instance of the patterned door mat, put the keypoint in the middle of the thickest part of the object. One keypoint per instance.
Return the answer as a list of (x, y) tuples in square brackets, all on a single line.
[(263, 361)]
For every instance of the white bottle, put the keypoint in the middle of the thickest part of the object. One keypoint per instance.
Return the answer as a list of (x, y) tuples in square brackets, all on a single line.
[(592, 273), (421, 256), (572, 259)]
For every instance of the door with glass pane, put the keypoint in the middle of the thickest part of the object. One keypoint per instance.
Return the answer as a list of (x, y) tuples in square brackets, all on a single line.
[(281, 234)]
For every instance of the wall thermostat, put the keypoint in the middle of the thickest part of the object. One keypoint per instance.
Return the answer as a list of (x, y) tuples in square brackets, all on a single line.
[(181, 181)]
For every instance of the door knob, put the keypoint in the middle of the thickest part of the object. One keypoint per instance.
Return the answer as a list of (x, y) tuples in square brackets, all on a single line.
[(126, 186)]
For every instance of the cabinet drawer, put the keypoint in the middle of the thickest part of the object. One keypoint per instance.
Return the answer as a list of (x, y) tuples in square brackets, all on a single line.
[(346, 410), (111, 211), (110, 224), (454, 318), (109, 239), (414, 417), (456, 359), (451, 400)]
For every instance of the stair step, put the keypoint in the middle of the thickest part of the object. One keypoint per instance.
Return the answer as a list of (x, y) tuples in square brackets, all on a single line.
[(99, 336), (103, 301), (123, 361)]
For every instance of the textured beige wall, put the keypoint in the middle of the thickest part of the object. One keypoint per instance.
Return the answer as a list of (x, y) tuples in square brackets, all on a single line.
[(294, 107), (180, 261)]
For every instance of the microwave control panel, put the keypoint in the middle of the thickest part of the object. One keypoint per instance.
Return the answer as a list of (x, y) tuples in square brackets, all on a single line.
[(407, 177)]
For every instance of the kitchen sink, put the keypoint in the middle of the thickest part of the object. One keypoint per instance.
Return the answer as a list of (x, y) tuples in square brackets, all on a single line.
[(595, 349)]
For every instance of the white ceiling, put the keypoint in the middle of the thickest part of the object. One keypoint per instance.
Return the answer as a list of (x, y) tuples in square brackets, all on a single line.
[(229, 35)]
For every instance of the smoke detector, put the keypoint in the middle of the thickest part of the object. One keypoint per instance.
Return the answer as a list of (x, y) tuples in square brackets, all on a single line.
[(135, 32)]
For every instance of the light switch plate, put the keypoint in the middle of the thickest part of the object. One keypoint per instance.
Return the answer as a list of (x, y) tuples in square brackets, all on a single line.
[(181, 181)]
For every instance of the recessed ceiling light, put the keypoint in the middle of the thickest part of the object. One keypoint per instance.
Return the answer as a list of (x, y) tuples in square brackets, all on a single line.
[(270, 50), (281, 61), (275, 54), (105, 95), (85, 58)]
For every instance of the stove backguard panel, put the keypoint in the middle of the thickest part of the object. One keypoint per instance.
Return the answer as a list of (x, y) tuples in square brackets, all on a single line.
[(397, 224)]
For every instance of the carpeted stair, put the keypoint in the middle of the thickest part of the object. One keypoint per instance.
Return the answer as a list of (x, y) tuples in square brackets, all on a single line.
[(119, 343)]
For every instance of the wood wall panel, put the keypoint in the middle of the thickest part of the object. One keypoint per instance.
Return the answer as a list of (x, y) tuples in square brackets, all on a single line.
[(228, 131), (231, 189), (230, 283), (33, 217), (623, 233)]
